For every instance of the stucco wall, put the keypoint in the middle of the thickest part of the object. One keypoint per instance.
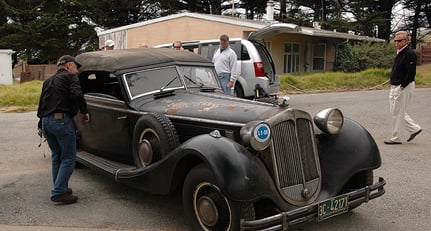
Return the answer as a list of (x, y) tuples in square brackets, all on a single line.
[(185, 28)]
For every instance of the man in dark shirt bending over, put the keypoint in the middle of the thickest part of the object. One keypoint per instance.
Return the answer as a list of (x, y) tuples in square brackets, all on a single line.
[(60, 100)]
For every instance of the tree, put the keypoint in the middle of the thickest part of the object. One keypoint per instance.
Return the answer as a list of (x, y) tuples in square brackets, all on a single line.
[(420, 18), (41, 31), (254, 8), (199, 6)]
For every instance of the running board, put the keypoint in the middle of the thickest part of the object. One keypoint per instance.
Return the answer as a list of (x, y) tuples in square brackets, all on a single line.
[(112, 168)]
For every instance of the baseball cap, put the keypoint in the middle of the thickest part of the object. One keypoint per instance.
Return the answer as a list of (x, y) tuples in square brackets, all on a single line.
[(67, 58), (109, 43)]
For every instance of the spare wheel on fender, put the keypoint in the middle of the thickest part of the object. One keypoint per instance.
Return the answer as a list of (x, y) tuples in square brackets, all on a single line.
[(154, 136)]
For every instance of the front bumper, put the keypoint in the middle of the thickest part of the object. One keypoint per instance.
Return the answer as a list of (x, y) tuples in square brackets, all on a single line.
[(309, 213)]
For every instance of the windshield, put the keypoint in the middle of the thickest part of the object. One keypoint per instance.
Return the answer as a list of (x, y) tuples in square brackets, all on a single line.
[(169, 78), (199, 77), (152, 80)]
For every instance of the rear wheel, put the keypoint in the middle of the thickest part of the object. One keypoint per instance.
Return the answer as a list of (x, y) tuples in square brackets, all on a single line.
[(205, 205), (154, 137), (238, 91)]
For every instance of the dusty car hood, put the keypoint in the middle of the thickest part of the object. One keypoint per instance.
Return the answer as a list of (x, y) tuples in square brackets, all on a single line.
[(207, 106)]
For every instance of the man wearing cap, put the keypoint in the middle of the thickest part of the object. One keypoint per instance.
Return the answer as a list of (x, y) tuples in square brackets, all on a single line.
[(224, 61), (60, 100), (109, 45)]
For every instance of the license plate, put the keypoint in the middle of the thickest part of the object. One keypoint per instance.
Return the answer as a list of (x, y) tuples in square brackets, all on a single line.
[(332, 207)]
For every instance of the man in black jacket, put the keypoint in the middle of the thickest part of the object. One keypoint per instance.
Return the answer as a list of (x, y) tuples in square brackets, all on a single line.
[(402, 81), (60, 100)]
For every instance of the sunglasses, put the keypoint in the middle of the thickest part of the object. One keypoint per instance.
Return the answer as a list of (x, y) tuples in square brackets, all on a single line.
[(398, 40), (177, 47)]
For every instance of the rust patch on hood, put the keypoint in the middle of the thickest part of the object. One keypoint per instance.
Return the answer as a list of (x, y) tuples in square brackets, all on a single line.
[(230, 107), (173, 107), (208, 106)]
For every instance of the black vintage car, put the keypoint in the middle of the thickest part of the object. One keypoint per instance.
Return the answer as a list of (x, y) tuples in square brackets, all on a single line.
[(161, 123)]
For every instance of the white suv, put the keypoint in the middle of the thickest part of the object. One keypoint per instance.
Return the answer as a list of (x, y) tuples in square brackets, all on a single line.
[(255, 64)]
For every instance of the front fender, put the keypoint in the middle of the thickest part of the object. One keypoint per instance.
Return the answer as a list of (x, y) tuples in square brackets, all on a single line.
[(240, 175), (343, 155)]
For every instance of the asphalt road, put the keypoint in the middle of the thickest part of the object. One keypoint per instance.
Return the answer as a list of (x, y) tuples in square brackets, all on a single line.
[(25, 179)]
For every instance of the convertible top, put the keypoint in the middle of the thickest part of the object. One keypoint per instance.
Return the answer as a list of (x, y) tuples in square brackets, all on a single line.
[(121, 59)]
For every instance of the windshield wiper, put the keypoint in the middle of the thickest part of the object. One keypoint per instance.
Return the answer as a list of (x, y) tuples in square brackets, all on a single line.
[(169, 83), (194, 82)]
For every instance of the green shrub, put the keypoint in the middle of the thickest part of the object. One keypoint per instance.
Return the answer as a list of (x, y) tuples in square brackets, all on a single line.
[(361, 56)]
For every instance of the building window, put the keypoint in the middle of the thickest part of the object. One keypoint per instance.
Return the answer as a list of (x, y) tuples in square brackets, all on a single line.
[(291, 57), (319, 55)]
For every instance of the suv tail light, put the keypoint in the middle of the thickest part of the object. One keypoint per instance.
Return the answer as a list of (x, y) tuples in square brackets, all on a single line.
[(259, 69)]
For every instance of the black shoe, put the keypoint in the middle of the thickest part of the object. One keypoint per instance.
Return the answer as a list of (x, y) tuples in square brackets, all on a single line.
[(412, 136), (69, 191), (392, 142), (65, 198)]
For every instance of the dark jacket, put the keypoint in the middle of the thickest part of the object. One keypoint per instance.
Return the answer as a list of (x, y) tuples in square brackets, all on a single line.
[(404, 67), (62, 93)]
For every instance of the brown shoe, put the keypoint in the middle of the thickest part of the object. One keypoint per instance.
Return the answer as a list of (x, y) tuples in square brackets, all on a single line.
[(390, 142), (69, 191), (412, 136), (65, 198)]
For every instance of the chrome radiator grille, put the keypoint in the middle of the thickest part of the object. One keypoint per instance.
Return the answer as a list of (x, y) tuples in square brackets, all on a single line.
[(295, 160)]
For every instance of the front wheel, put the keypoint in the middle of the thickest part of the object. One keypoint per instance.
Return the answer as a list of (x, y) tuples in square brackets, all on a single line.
[(206, 207)]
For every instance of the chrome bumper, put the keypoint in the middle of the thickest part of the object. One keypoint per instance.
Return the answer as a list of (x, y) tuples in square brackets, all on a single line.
[(309, 213)]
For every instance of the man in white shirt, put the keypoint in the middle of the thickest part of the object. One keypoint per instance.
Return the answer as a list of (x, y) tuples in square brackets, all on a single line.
[(224, 61)]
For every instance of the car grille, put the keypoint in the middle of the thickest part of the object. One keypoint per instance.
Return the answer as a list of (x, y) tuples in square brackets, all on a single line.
[(295, 160)]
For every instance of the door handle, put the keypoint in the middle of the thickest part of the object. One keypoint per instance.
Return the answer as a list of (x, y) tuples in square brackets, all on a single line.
[(122, 117)]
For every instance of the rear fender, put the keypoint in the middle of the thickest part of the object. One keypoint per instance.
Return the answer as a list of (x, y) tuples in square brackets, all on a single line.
[(343, 155)]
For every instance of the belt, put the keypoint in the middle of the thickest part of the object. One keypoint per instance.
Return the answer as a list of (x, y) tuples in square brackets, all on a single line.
[(58, 115), (222, 74)]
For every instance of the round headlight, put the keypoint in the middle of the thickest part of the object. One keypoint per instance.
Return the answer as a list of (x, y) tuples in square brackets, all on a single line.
[(329, 120), (261, 136)]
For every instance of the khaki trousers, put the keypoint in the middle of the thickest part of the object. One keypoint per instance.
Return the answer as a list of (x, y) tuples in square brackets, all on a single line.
[(398, 101)]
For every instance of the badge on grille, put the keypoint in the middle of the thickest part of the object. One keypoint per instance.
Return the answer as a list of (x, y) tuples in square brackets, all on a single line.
[(262, 132)]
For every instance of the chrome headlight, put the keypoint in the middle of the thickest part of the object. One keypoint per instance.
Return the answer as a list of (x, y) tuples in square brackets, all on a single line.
[(257, 135), (329, 120)]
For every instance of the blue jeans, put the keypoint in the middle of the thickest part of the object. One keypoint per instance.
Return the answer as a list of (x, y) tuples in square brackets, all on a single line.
[(61, 137), (224, 80)]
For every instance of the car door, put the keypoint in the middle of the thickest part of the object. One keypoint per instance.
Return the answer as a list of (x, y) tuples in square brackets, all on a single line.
[(108, 132)]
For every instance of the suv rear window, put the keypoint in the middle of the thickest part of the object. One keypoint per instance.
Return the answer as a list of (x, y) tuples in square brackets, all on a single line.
[(207, 50), (244, 53)]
